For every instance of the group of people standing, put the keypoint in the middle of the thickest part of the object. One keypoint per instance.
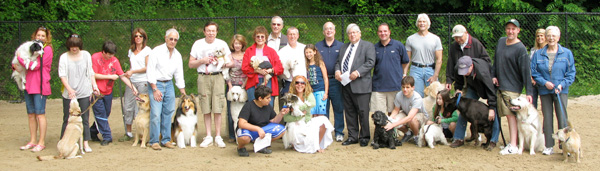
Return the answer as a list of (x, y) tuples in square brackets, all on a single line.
[(353, 78)]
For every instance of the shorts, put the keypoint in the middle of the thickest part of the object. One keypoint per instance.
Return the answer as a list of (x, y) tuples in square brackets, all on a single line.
[(273, 128), (321, 105), (383, 101), (35, 103), (211, 90), (401, 115), (503, 108)]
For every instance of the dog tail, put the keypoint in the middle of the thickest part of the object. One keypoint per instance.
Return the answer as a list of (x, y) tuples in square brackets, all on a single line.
[(46, 158)]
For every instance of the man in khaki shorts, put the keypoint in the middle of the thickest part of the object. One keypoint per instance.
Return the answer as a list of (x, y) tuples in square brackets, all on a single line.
[(408, 100), (211, 85)]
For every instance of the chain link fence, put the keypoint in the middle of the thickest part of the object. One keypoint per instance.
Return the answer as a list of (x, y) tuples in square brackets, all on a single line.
[(579, 32)]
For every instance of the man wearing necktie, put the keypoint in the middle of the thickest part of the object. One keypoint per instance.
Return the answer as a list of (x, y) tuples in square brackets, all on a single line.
[(357, 58)]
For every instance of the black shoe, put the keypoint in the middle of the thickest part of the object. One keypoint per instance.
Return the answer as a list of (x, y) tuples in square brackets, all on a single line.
[(349, 141), (457, 143), (95, 137), (364, 142), (265, 151), (242, 152), (406, 138), (105, 142)]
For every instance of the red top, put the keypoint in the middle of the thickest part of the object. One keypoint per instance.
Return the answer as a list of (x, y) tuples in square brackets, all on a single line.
[(253, 77), (32, 77), (105, 67)]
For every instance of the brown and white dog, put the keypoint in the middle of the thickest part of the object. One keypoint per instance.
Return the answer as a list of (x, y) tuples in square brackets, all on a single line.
[(237, 96), (28, 52), (571, 142), (185, 123), (528, 125), (431, 92), (141, 124), (72, 140)]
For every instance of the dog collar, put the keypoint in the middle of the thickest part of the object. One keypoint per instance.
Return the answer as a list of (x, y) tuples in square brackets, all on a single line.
[(568, 138), (458, 100)]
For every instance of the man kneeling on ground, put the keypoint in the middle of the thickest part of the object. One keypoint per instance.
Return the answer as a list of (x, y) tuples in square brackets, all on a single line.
[(408, 110), (258, 118)]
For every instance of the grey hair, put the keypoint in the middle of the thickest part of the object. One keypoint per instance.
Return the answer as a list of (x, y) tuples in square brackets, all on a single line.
[(292, 28), (553, 28), (277, 17), (172, 30), (326, 24), (351, 26), (424, 16)]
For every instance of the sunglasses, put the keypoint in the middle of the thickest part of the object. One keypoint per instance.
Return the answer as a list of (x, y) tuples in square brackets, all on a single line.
[(300, 82), (276, 24), (174, 39), (74, 35), (260, 36), (42, 28), (139, 35)]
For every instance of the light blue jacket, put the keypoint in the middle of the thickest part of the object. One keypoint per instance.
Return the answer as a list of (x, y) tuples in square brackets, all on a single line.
[(563, 69)]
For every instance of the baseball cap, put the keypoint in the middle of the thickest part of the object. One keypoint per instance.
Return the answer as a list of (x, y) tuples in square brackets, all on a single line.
[(514, 21), (463, 65), (458, 30)]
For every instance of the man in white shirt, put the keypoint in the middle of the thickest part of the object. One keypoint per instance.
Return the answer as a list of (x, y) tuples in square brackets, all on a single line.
[(164, 64), (211, 87), (277, 40), (292, 59)]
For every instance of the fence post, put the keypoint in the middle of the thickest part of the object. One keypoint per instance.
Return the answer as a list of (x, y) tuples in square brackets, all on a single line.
[(449, 31), (235, 25), (343, 32), (566, 30)]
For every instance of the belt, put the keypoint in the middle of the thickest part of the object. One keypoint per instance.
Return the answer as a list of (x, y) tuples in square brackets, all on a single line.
[(331, 76), (210, 73), (164, 81), (422, 65)]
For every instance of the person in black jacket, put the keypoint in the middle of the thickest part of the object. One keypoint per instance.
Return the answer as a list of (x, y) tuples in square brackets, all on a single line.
[(464, 45)]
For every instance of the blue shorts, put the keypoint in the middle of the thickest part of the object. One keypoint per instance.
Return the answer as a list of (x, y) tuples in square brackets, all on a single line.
[(273, 128), (321, 105), (36, 103)]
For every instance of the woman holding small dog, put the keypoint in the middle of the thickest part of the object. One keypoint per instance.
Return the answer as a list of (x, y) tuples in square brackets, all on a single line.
[(553, 68), (37, 90), (77, 76), (317, 134), (236, 75)]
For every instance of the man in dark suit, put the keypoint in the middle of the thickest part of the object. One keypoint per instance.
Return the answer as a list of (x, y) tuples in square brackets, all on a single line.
[(355, 61)]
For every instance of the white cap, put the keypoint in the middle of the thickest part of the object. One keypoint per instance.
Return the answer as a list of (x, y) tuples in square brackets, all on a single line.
[(458, 30)]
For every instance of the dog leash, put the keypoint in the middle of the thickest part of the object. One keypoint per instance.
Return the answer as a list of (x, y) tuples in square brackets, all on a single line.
[(561, 110), (458, 100), (96, 98)]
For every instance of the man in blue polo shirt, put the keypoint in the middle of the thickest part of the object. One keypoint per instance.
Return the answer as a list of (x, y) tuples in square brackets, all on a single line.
[(387, 76), (330, 49)]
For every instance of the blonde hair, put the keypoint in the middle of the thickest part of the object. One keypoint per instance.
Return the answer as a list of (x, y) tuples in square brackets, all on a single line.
[(543, 32), (48, 35), (307, 89)]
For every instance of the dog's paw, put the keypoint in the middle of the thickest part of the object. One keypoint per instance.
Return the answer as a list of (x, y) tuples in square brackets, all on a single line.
[(532, 153), (393, 147), (193, 145)]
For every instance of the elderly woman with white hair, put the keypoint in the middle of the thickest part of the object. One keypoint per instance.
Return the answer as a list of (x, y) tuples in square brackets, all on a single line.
[(553, 68)]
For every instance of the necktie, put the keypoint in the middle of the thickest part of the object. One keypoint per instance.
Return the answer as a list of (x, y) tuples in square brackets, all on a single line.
[(347, 60)]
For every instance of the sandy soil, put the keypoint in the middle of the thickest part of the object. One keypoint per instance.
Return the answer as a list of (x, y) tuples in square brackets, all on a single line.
[(120, 155)]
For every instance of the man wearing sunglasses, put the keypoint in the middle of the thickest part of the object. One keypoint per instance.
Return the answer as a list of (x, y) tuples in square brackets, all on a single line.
[(277, 40)]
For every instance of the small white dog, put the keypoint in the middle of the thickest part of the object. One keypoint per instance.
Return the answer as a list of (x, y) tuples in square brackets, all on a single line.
[(528, 125), (237, 95), (28, 51), (431, 134), (288, 68), (219, 54)]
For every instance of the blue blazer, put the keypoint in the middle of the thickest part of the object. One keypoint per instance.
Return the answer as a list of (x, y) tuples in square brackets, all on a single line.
[(563, 69)]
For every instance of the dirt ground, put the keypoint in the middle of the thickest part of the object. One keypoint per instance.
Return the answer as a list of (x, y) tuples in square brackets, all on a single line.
[(121, 156)]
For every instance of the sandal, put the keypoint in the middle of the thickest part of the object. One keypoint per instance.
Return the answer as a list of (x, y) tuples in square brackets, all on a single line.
[(28, 146), (38, 148)]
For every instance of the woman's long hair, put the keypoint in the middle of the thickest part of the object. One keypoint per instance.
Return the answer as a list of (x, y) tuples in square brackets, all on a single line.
[(307, 89), (440, 108)]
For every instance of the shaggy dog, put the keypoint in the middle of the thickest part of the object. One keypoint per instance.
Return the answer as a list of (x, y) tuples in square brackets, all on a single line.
[(220, 61), (293, 128), (237, 96), (474, 112), (381, 137), (528, 125), (571, 142), (141, 124), (257, 64), (431, 92), (185, 122), (72, 140), (431, 134), (288, 67), (28, 52)]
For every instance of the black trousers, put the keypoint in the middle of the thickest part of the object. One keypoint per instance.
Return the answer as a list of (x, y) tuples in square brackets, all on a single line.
[(357, 113)]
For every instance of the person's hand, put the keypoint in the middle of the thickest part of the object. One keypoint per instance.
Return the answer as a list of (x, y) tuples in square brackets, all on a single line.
[(532, 81), (458, 92), (492, 115), (558, 89), (324, 97), (448, 86), (285, 110), (128, 74), (354, 75), (432, 79), (438, 119), (134, 90), (96, 91), (72, 94), (114, 77), (338, 75), (388, 126), (157, 95), (549, 85), (261, 133), (495, 81)]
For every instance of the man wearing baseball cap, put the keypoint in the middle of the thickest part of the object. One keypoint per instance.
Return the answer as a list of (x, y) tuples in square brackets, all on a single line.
[(475, 73), (464, 45), (511, 72)]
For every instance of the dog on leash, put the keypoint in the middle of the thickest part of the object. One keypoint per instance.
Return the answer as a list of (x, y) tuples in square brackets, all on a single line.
[(571, 142), (258, 63), (185, 123), (381, 137), (294, 129), (431, 92), (141, 124), (237, 96), (430, 134), (474, 112), (530, 131), (28, 52), (72, 141)]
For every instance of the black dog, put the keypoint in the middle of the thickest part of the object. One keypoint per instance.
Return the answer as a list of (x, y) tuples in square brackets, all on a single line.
[(381, 137), (474, 112)]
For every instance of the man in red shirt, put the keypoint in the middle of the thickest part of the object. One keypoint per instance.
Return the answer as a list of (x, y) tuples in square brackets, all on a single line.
[(107, 69)]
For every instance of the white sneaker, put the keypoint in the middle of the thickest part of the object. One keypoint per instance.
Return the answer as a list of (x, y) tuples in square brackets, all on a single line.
[(339, 138), (219, 142), (548, 151), (208, 140), (509, 149)]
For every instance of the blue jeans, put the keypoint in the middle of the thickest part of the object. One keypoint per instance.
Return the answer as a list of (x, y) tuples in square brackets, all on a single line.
[(335, 98), (101, 113), (250, 91), (161, 112), (461, 123), (421, 75)]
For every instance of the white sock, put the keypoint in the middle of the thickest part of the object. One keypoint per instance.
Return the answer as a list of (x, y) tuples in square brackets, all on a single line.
[(129, 134)]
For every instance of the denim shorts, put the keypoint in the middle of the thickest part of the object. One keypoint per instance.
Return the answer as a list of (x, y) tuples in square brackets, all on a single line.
[(273, 128), (36, 103)]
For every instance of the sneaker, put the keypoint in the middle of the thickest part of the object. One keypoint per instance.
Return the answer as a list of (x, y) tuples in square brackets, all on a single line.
[(339, 138), (219, 142), (169, 145), (265, 151), (416, 139), (155, 146), (509, 149), (242, 152), (125, 138), (105, 142), (548, 151), (406, 137), (208, 140)]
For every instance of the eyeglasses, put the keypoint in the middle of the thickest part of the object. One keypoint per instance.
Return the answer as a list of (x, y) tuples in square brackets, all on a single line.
[(174, 39), (276, 24), (42, 28), (260, 36), (139, 35), (74, 35), (300, 82)]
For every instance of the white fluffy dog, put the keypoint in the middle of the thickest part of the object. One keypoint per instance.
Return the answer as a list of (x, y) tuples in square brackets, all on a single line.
[(28, 51), (431, 134), (237, 95), (221, 60), (288, 68), (528, 125), (431, 92)]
